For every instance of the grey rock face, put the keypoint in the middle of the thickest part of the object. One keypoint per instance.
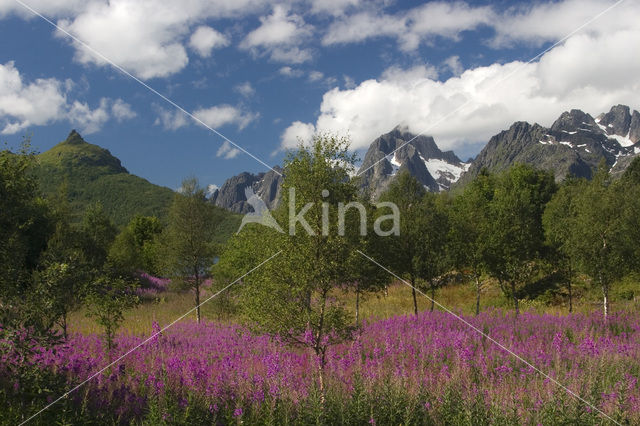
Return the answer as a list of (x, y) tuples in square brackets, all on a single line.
[(231, 195), (634, 127), (435, 169), (573, 145), (617, 121)]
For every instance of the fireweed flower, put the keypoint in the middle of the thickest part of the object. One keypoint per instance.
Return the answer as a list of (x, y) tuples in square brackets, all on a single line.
[(225, 368)]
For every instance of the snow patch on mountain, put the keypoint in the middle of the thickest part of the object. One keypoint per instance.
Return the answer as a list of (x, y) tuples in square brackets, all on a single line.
[(624, 141), (440, 168)]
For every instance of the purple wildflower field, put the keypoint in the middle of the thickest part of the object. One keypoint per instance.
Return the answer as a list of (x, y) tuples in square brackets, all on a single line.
[(429, 369), (152, 286)]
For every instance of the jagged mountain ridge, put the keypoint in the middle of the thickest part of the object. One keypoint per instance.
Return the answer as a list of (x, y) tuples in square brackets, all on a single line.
[(399, 150), (435, 169), (232, 194), (573, 145)]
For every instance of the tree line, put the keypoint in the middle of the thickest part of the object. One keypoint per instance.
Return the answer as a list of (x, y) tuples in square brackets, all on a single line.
[(510, 227)]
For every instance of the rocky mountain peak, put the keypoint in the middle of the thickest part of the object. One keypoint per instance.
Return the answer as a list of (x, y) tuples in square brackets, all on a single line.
[(621, 124), (74, 138), (400, 149), (232, 194), (574, 120), (573, 145), (617, 120)]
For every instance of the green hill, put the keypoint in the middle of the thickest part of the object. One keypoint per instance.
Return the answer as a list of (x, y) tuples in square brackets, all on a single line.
[(93, 174)]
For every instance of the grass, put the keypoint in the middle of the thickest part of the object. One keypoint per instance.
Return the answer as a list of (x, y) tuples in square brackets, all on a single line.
[(459, 298)]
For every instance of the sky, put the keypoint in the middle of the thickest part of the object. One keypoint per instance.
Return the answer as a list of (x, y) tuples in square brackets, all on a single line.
[(266, 75)]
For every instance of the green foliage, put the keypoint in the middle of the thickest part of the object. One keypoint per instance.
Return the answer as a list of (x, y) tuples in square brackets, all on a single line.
[(516, 237), (93, 175), (136, 247), (59, 289), (26, 223), (601, 228), (188, 250), (419, 251), (468, 238), (366, 277), (291, 294), (558, 221), (106, 300), (98, 233)]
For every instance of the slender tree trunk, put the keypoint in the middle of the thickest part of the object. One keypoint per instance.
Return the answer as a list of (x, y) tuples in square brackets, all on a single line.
[(477, 294), (515, 298), (605, 296), (321, 377), (320, 351), (415, 299), (433, 294)]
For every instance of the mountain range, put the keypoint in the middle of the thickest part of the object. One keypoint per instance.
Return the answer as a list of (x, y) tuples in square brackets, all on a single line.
[(574, 145)]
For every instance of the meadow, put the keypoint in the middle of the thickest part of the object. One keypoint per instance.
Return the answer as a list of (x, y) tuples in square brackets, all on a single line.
[(396, 369)]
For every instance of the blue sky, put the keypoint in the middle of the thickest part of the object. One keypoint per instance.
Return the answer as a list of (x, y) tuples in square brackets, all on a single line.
[(265, 73)]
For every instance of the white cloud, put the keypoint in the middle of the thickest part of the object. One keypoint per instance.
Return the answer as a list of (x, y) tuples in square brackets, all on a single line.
[(316, 76), (291, 55), (214, 117), (146, 37), (221, 115), (538, 23), (349, 82), (453, 64), (290, 72), (227, 151), (122, 111), (333, 7), (44, 101), (205, 39), (443, 19), (138, 36), (533, 23), (86, 119), (171, 120), (362, 26), (590, 72), (90, 120), (23, 104), (52, 8), (298, 132), (412, 27), (280, 35), (409, 77), (245, 89)]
